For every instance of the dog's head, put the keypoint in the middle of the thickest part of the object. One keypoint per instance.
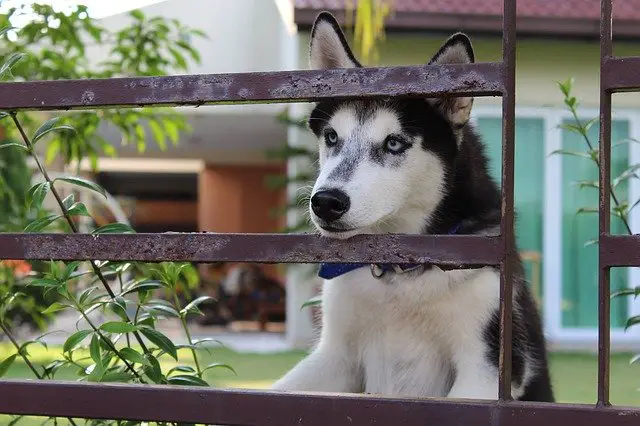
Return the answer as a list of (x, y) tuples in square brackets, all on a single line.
[(383, 164)]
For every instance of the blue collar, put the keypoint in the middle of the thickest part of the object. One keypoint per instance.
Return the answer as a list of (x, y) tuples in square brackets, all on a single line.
[(329, 271)]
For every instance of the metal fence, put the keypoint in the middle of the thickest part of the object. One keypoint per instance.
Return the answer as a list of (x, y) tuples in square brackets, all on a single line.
[(211, 406)]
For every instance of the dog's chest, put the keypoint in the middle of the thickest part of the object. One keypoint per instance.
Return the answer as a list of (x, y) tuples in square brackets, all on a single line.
[(405, 333), (405, 363)]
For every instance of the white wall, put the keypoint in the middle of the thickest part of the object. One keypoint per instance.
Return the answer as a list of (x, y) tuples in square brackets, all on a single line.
[(242, 36)]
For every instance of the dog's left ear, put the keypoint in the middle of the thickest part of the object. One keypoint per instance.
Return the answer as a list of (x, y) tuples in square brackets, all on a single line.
[(456, 50), (329, 47)]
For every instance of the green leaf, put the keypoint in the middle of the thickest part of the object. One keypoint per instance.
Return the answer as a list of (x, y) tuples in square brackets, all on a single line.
[(48, 127), (133, 356), (44, 282), (75, 339), (37, 194), (586, 210), (183, 369), (634, 205), (83, 183), (627, 174), (193, 306), (114, 228), (9, 63), (69, 201), (635, 292), (85, 297), (161, 341), (53, 148), (172, 131), (586, 184), (187, 380), (78, 209), (573, 153), (589, 124), (55, 307), (117, 376), (158, 134), (39, 224), (6, 364), (153, 370), (145, 285), (95, 371), (631, 322), (314, 301), (219, 365), (137, 14), (94, 349), (197, 342), (51, 369), (119, 307), (118, 327), (162, 309), (69, 269), (5, 30), (13, 144)]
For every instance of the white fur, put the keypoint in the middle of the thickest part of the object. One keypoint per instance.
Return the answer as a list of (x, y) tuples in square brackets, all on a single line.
[(326, 50), (407, 337), (419, 334), (383, 199)]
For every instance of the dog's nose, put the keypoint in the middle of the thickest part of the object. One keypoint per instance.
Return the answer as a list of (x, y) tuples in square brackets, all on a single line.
[(330, 205)]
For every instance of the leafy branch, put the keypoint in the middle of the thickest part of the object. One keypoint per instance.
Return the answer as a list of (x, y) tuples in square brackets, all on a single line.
[(621, 208)]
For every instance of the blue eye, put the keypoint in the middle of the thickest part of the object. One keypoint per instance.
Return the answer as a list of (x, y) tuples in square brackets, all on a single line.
[(330, 137), (395, 145)]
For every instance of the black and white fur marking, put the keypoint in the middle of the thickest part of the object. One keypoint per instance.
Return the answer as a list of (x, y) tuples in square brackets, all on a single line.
[(410, 166)]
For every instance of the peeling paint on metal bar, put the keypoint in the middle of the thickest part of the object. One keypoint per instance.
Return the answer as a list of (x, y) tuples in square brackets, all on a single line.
[(480, 79), (446, 250)]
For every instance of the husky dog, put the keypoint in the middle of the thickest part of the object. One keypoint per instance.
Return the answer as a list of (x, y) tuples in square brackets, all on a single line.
[(413, 166)]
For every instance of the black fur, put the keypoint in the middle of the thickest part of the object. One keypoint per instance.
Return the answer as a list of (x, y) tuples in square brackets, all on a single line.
[(472, 200)]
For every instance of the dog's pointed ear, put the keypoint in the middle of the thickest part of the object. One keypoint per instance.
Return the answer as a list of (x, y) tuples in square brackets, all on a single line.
[(328, 47), (456, 50)]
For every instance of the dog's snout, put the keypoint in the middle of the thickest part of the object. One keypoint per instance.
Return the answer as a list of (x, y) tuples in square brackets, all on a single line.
[(330, 205)]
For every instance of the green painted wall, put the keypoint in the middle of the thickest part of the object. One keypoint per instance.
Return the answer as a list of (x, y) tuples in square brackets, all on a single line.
[(529, 190)]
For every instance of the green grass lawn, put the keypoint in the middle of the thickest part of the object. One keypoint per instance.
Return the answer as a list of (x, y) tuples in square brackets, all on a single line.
[(574, 375)]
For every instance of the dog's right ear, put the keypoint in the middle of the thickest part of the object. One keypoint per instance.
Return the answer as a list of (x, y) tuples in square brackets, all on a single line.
[(328, 47)]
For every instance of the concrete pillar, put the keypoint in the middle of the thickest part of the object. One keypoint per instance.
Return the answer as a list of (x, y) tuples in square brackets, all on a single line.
[(302, 283)]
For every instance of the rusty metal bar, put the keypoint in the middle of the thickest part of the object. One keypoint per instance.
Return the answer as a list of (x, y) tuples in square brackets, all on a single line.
[(249, 408), (480, 79), (507, 225), (459, 250), (619, 250), (604, 290), (620, 74)]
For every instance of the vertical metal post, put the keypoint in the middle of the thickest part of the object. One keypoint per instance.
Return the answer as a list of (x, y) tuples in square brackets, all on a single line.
[(604, 290), (507, 222)]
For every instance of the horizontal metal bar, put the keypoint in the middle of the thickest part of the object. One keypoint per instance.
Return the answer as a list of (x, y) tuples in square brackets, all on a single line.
[(619, 250), (454, 251), (621, 74), (480, 79), (238, 407)]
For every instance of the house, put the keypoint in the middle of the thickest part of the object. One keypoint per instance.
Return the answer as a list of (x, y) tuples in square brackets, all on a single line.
[(221, 162)]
